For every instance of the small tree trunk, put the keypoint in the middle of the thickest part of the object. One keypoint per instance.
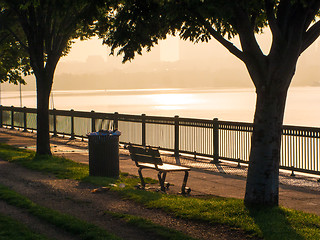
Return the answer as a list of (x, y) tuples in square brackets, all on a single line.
[(263, 174), (43, 93)]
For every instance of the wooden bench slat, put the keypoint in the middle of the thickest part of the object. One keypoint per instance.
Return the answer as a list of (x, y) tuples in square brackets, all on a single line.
[(147, 151), (150, 158), (165, 167), (146, 159)]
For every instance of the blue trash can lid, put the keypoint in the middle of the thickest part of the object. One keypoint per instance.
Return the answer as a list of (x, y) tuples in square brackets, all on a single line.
[(116, 133), (105, 133)]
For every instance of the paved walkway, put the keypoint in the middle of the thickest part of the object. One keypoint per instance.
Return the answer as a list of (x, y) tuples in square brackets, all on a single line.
[(225, 180)]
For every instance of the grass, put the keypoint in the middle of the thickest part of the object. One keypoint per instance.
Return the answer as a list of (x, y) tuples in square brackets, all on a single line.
[(150, 227), (62, 168), (269, 223), (11, 229), (71, 224), (82, 229)]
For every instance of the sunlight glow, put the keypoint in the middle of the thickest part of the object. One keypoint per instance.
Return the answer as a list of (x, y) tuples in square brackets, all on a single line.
[(169, 107), (169, 49), (172, 99)]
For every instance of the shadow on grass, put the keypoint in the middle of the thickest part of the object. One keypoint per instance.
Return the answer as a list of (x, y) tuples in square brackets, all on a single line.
[(274, 224)]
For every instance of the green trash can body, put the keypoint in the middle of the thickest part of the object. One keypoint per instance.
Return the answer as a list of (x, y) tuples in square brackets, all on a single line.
[(103, 155)]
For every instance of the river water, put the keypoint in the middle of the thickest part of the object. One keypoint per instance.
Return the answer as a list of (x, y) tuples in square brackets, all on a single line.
[(302, 109)]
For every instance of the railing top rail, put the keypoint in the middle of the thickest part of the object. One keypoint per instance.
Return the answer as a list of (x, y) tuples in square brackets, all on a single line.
[(301, 128), (129, 117), (81, 114), (196, 120), (19, 109), (244, 124), (155, 119)]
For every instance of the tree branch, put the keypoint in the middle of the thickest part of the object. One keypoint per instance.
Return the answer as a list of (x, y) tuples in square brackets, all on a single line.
[(246, 33), (283, 14), (310, 36), (271, 17), (4, 37), (312, 11), (18, 39), (227, 44)]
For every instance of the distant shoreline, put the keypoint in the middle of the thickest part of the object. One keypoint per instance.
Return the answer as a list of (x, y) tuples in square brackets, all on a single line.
[(237, 104), (139, 91)]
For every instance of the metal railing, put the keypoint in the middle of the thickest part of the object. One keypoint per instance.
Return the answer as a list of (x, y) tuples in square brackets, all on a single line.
[(206, 141)]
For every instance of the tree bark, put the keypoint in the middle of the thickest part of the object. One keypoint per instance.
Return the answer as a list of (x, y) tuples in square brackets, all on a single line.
[(262, 186), (44, 84)]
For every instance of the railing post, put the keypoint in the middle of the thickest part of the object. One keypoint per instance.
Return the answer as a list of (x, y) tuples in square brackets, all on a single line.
[(143, 122), (1, 122), (12, 118), (116, 121), (176, 139), (93, 122), (54, 122), (72, 124), (215, 140), (25, 127)]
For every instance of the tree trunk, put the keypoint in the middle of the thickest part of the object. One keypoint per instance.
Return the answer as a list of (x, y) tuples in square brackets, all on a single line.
[(263, 174), (44, 84)]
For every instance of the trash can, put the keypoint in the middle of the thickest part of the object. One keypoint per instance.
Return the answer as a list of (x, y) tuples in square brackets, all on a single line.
[(104, 153)]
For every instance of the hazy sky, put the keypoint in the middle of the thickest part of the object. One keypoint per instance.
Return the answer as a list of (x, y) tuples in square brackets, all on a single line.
[(175, 64), (206, 60), (81, 50), (173, 49), (172, 63), (170, 50)]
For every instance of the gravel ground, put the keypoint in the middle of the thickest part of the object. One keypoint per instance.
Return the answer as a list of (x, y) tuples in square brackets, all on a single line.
[(74, 198)]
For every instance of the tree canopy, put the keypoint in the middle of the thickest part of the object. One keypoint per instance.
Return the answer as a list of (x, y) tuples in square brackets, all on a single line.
[(44, 29), (14, 61), (139, 24), (128, 26)]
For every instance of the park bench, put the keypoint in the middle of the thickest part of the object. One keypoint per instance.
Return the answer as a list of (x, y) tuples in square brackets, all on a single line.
[(148, 157)]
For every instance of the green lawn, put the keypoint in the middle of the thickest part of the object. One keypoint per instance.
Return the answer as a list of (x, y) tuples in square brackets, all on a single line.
[(269, 223), (79, 228), (11, 229)]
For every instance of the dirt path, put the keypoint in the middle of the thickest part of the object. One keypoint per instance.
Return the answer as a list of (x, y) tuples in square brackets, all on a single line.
[(34, 223), (74, 198)]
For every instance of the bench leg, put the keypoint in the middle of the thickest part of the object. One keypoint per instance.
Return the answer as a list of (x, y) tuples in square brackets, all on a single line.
[(162, 179), (141, 178), (184, 184)]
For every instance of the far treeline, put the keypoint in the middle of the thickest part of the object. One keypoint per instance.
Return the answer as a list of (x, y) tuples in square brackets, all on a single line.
[(188, 79), (41, 32)]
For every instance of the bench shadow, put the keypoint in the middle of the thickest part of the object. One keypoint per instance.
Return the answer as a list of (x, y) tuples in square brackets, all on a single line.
[(220, 168), (273, 223), (224, 175)]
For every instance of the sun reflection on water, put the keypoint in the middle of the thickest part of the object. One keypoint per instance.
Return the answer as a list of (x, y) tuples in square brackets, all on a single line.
[(173, 107), (226, 104), (172, 100)]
